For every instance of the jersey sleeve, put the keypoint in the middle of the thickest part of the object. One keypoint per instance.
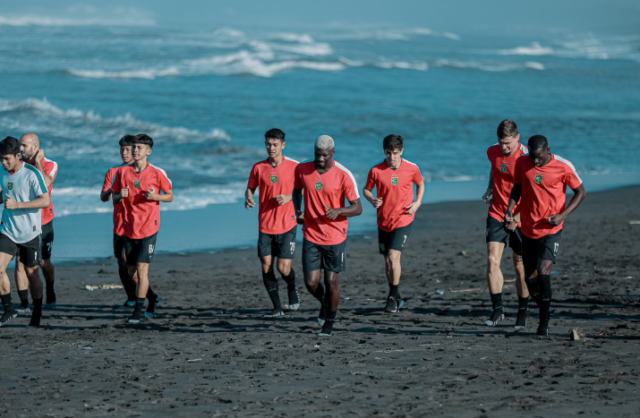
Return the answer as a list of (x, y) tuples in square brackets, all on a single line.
[(350, 188), (52, 170), (517, 177), (37, 184), (571, 177), (297, 177), (116, 184), (417, 176), (253, 178), (108, 179), (371, 180), (165, 184)]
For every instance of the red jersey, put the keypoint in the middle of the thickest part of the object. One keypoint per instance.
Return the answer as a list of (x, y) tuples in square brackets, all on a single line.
[(328, 189), (274, 219), (51, 168), (141, 216), (543, 193), (395, 188), (118, 210), (502, 171)]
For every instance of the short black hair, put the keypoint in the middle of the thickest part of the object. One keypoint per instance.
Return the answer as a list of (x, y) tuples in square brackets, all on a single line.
[(9, 146), (507, 128), (142, 139), (537, 142), (126, 140), (274, 133), (392, 142)]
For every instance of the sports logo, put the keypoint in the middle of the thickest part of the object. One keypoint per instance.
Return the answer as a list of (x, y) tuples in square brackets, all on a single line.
[(274, 178), (319, 184), (150, 249), (10, 185), (503, 168), (538, 178), (394, 180), (136, 184)]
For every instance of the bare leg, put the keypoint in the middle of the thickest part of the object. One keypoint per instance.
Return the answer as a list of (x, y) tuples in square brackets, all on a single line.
[(494, 274), (5, 289), (393, 267), (22, 283), (48, 271), (521, 286), (143, 280), (271, 284)]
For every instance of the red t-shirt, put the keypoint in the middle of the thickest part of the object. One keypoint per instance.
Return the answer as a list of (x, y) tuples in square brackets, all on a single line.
[(274, 219), (118, 210), (330, 189), (543, 193), (51, 168), (141, 216), (395, 188), (502, 171)]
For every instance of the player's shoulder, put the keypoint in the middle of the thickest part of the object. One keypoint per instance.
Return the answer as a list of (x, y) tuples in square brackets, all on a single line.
[(290, 161), (494, 149), (411, 165), (380, 165), (523, 149), (33, 172), (564, 162), (344, 170), (260, 164), (159, 170), (306, 165)]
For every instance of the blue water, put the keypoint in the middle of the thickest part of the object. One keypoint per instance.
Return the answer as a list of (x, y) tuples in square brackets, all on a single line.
[(207, 95)]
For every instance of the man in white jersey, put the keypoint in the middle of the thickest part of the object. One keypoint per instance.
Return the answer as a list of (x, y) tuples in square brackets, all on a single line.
[(24, 193)]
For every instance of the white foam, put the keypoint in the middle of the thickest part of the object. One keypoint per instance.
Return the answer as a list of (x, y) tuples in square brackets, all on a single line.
[(293, 37), (148, 74), (418, 66), (31, 20), (534, 49), (491, 66)]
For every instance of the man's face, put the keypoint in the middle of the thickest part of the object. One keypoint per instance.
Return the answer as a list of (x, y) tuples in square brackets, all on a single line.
[(274, 147), (540, 156), (140, 151), (509, 144), (393, 157), (27, 148), (125, 153), (9, 162), (323, 157)]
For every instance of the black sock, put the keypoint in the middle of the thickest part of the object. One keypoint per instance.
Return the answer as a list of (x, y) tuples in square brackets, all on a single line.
[(37, 304), (271, 284), (24, 297), (50, 287), (496, 301), (290, 279), (6, 302), (319, 292), (544, 281), (128, 284), (139, 304), (523, 303), (534, 289), (327, 328), (393, 291), (151, 294)]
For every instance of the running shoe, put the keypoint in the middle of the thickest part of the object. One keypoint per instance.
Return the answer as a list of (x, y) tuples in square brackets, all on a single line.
[(23, 309), (128, 304), (51, 297), (151, 309), (137, 317), (8, 316), (327, 329), (496, 316), (543, 332), (294, 298), (322, 316), (521, 320), (393, 305), (274, 313)]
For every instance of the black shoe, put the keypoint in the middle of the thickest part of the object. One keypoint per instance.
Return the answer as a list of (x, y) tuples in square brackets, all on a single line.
[(392, 305), (8, 316), (294, 298), (322, 316), (51, 297), (137, 317), (275, 313), (521, 320), (496, 316), (128, 304), (151, 309), (22, 309), (35, 318), (543, 332)]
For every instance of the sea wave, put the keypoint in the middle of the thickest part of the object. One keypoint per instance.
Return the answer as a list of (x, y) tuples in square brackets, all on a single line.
[(490, 66), (534, 49), (33, 20)]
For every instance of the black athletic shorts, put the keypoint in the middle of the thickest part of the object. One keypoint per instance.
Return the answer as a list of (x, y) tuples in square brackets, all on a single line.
[(497, 233), (47, 240), (140, 250), (118, 245), (534, 250), (328, 257), (393, 240), (281, 245), (29, 252)]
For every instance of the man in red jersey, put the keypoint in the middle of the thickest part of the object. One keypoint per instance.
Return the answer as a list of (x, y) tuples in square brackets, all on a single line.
[(34, 156), (118, 221), (140, 187), (540, 185), (276, 219), (503, 157), (394, 178), (326, 184)]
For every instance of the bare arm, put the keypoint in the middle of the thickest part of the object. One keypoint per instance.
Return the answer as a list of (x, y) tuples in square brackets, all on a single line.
[(413, 208), (576, 200), (514, 198), (106, 195), (283, 198), (486, 197), (354, 209), (151, 194), (48, 180), (248, 198), (41, 202), (368, 194), (297, 205)]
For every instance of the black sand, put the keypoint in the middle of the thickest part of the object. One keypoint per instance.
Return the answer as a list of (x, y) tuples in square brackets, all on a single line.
[(210, 353)]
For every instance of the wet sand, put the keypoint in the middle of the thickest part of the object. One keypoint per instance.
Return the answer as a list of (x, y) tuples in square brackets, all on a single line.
[(209, 353)]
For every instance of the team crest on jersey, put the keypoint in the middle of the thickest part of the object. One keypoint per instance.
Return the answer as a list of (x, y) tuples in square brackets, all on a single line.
[(10, 185), (136, 184), (503, 168), (394, 180), (274, 178), (538, 178), (319, 184)]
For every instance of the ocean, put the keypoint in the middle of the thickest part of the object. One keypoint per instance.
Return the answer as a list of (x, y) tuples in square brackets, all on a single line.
[(206, 95)]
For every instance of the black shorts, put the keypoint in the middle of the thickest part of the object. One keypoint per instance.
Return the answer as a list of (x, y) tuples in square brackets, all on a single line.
[(47, 240), (140, 250), (328, 257), (393, 240), (281, 245), (118, 245), (497, 233), (534, 250), (29, 252)]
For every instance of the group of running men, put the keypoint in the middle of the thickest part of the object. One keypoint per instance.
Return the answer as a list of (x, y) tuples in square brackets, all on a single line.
[(526, 193)]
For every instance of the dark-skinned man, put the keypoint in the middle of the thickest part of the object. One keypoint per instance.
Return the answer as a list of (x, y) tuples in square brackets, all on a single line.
[(540, 184), (326, 184)]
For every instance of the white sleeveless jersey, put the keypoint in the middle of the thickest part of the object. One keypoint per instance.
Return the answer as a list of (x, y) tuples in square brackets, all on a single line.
[(26, 184)]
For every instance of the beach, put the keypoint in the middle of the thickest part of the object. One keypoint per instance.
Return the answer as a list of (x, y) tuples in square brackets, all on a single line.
[(210, 352)]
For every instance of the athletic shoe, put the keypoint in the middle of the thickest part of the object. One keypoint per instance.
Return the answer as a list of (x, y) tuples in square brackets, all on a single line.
[(23, 309), (51, 297), (543, 332), (551, 310), (274, 313), (294, 298), (521, 320), (128, 304), (137, 317), (393, 305), (327, 329), (151, 309), (35, 318), (323, 313), (8, 316), (323, 334), (496, 316)]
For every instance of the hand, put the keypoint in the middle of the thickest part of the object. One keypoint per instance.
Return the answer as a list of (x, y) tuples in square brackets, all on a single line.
[(412, 208), (283, 198), (300, 218), (10, 203), (124, 192), (332, 213), (376, 203), (150, 194), (486, 197), (508, 218), (556, 220), (249, 203), (39, 156), (510, 226)]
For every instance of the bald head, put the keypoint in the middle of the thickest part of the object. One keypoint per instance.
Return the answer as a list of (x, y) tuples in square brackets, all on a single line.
[(29, 146), (324, 142), (31, 138)]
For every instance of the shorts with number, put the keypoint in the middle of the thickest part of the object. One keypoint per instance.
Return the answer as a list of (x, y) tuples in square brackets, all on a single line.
[(140, 250), (535, 250), (280, 245), (47, 240), (328, 257), (118, 245), (393, 240), (497, 233), (29, 252)]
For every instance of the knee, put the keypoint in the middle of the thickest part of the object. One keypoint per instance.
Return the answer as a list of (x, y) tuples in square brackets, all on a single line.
[(32, 274), (393, 258), (284, 268), (493, 263)]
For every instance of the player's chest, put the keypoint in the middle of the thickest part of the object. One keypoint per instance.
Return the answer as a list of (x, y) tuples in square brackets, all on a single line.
[(544, 178), (275, 178), (15, 185), (139, 183), (504, 167), (327, 184), (392, 182)]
